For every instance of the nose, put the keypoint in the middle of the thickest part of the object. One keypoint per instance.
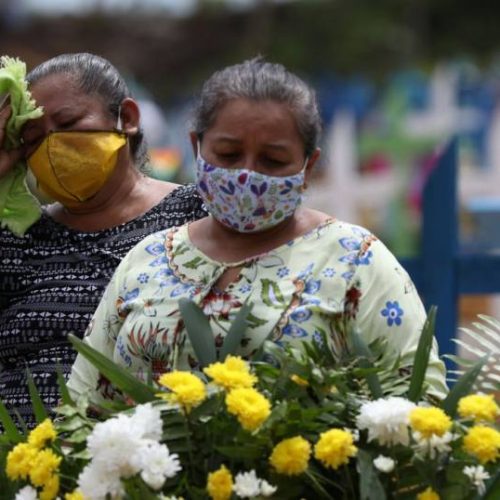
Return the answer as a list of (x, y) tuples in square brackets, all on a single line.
[(249, 162)]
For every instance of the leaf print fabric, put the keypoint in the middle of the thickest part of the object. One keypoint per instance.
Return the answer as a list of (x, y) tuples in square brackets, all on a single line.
[(333, 278)]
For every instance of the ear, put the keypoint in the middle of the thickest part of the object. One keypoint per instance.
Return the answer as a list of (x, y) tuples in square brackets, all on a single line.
[(130, 116), (310, 164), (193, 137)]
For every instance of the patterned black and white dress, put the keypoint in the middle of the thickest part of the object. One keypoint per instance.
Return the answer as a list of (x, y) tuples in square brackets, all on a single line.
[(51, 281)]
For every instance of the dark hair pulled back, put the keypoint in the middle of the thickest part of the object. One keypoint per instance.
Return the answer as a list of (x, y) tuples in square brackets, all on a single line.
[(95, 75), (258, 80)]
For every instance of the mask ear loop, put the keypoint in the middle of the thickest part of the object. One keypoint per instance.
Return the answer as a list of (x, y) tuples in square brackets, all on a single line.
[(198, 150), (119, 119), (303, 171)]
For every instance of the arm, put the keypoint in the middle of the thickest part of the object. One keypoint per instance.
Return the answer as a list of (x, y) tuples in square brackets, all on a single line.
[(390, 307), (101, 335)]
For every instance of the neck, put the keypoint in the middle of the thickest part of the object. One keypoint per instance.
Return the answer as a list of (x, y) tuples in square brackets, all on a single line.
[(116, 193), (244, 245)]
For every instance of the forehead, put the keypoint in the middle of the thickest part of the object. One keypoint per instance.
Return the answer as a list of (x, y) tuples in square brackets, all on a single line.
[(241, 117), (60, 89)]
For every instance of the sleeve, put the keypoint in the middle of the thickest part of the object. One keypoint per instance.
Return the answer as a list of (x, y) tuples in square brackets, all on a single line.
[(390, 307), (101, 335)]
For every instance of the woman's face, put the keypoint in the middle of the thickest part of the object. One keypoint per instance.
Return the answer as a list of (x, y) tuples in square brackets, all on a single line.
[(65, 107), (256, 135)]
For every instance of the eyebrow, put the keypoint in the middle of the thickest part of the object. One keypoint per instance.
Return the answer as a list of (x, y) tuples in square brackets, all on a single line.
[(279, 147)]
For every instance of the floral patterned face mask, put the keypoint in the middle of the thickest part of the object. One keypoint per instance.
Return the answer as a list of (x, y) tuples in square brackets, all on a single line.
[(245, 200)]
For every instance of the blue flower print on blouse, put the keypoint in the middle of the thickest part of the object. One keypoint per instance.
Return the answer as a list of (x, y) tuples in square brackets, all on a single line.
[(245, 288), (294, 331), (143, 278), (348, 275), (283, 271), (358, 248), (301, 314), (318, 338), (329, 272), (312, 286), (393, 313), (165, 278), (157, 250)]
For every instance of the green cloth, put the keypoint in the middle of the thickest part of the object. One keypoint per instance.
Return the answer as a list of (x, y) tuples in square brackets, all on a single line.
[(19, 209)]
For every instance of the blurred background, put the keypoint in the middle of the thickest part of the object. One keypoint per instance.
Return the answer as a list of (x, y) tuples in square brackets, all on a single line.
[(395, 79)]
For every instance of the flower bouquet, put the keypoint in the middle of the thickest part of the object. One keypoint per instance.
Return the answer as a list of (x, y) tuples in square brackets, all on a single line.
[(293, 423)]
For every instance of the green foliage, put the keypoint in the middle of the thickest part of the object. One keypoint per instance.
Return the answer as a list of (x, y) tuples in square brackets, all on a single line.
[(311, 390), (130, 385), (421, 360), (36, 401)]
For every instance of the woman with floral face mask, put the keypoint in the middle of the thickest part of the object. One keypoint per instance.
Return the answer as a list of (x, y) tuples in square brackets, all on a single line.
[(255, 137), (87, 153)]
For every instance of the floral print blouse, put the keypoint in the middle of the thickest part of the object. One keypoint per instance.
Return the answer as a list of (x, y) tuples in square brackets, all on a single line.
[(334, 277)]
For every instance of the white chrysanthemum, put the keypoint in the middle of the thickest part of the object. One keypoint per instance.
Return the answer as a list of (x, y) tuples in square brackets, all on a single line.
[(146, 422), (156, 463), (96, 483), (478, 476), (26, 493), (384, 464), (433, 445), (266, 489), (247, 484), (386, 420), (112, 443)]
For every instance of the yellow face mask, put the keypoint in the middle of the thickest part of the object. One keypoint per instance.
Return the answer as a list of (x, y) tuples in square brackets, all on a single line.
[(72, 166)]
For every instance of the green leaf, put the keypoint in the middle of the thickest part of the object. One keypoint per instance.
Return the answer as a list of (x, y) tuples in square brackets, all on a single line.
[(36, 401), (370, 487), (9, 426), (493, 490), (364, 354), (63, 389), (199, 332), (462, 387), (79, 436), (117, 375), (193, 263), (241, 452), (236, 332), (254, 322), (421, 360), (271, 294)]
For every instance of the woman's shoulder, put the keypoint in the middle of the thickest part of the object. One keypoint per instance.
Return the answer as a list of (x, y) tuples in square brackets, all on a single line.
[(182, 204)]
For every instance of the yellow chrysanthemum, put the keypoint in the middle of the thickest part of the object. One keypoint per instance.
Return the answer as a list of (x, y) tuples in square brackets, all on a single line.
[(41, 434), (231, 374), (335, 447), (483, 442), (428, 494), (220, 484), (20, 460), (479, 407), (299, 380), (291, 456), (76, 495), (249, 406), (50, 489), (187, 389), (430, 421), (43, 466)]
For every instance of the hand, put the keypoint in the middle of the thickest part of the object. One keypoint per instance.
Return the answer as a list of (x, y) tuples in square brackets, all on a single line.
[(7, 158)]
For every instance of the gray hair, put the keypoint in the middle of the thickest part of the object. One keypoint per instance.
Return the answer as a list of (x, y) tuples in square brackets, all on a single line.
[(95, 75), (259, 80)]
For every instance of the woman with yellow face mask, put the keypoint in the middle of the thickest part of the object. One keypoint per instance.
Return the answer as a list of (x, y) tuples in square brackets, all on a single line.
[(88, 154)]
